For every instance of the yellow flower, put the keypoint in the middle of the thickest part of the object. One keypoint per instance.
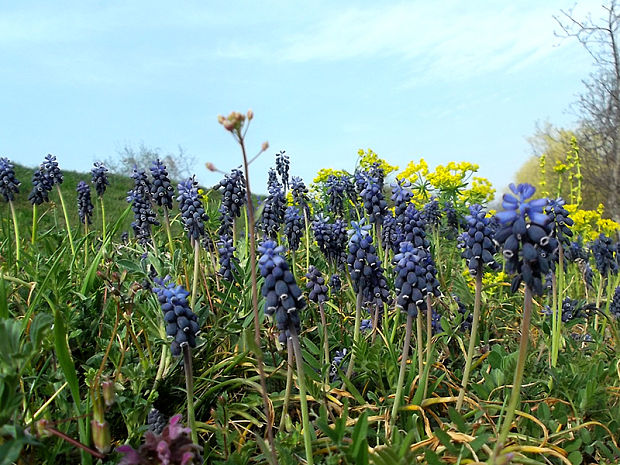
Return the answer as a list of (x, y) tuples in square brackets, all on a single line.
[(369, 158), (325, 173), (413, 171), (590, 223)]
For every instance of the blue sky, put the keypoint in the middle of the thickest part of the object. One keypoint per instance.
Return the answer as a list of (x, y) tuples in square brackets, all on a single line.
[(449, 80)]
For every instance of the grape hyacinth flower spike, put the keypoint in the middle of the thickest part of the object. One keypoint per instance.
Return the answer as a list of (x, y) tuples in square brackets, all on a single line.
[(141, 205), (182, 325), (9, 186), (478, 250), (283, 300), (193, 217), (524, 235)]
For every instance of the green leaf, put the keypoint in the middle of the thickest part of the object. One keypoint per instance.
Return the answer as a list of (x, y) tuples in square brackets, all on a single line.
[(575, 457), (359, 448), (458, 420)]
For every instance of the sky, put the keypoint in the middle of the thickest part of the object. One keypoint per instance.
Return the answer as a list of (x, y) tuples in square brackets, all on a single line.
[(446, 80)]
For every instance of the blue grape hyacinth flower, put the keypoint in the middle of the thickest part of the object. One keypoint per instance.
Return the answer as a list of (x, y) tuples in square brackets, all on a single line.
[(283, 298), (181, 321), (84, 203), (9, 185), (99, 178)]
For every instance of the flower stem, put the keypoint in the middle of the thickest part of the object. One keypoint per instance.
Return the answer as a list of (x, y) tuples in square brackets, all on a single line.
[(302, 395), (289, 382), (557, 314), (259, 352), (324, 334), (189, 385), (168, 231), (103, 223), (419, 343), (472, 338), (17, 251), (429, 338), (518, 378), (356, 332), (34, 223), (401, 374), (64, 211), (196, 266)]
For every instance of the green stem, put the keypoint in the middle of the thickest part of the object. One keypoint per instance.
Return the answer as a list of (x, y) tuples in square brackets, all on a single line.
[(103, 224), (429, 338), (356, 332), (34, 223), (64, 211), (302, 395), (419, 324), (472, 338), (259, 352), (189, 384), (168, 230), (324, 336), (85, 243), (401, 373), (307, 226), (196, 265), (518, 378), (17, 249), (557, 334), (289, 383)]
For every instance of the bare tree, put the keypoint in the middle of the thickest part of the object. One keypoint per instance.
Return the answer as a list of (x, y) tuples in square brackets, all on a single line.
[(179, 165), (599, 106)]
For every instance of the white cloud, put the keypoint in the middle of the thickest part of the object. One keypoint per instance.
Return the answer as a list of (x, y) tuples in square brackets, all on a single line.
[(447, 39)]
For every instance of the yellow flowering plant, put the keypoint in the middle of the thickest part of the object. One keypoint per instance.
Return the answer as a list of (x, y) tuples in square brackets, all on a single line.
[(368, 159), (589, 224)]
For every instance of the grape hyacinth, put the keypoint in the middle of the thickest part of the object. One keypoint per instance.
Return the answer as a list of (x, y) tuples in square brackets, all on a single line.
[(41, 188), (156, 421), (181, 321), (283, 298), (614, 305), (293, 227), (162, 189), (414, 228), (467, 320), (51, 170), (604, 251), (335, 283), (9, 185), (99, 178), (331, 238), (366, 325), (560, 220), (336, 364), (374, 203), (233, 192), (477, 241), (576, 252), (193, 215), (364, 266), (401, 196), (525, 237), (140, 199), (282, 167), (272, 216), (336, 194), (415, 278), (316, 285), (431, 213), (84, 203), (226, 252), (300, 194)]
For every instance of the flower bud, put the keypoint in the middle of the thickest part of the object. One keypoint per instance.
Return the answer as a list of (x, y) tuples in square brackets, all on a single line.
[(250, 115), (101, 436), (210, 166), (109, 394)]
